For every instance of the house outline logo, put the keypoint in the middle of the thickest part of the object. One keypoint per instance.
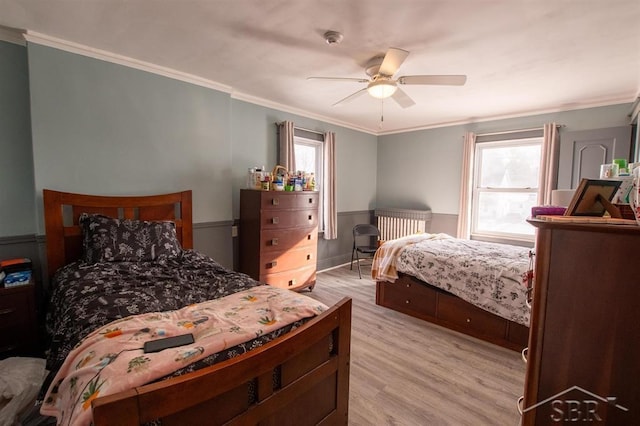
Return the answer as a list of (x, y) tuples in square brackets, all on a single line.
[(611, 400)]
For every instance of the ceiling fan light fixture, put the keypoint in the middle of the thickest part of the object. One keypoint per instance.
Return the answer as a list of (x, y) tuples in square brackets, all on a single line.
[(382, 89)]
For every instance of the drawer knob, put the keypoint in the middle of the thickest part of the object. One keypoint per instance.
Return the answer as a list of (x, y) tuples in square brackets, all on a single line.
[(309, 237), (310, 218), (292, 282), (275, 201), (309, 256), (275, 220), (273, 264), (310, 200), (407, 301), (274, 241), (408, 285), (468, 319)]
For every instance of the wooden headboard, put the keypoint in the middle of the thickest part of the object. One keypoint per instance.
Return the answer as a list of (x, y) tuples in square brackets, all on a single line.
[(63, 209)]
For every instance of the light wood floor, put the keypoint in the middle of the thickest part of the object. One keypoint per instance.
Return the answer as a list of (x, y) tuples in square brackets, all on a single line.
[(405, 371)]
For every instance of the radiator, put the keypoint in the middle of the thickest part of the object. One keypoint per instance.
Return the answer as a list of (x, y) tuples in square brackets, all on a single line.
[(396, 223)]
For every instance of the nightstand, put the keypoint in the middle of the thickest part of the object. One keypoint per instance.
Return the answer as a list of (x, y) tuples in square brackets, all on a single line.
[(18, 331)]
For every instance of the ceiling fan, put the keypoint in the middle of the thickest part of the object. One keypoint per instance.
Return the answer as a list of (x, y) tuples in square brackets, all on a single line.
[(382, 85)]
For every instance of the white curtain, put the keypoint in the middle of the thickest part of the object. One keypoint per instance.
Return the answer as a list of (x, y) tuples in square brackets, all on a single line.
[(464, 215), (329, 185), (548, 163), (286, 150)]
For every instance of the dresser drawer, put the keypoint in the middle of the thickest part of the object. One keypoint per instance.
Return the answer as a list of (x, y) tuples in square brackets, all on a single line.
[(277, 219), (288, 239), (456, 311), (279, 261), (286, 200), (17, 321), (408, 297), (15, 309), (293, 279)]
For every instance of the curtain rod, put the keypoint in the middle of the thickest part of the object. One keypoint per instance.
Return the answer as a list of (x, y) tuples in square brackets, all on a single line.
[(506, 132), (306, 130)]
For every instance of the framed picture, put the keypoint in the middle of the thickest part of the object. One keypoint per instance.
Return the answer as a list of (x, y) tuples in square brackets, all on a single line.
[(593, 198)]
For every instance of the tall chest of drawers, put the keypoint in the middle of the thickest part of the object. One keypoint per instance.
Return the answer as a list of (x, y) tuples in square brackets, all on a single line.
[(279, 237), (583, 362)]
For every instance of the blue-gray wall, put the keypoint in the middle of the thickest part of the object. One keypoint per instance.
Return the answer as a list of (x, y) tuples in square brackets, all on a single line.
[(423, 168), (254, 143), (102, 128), (17, 216)]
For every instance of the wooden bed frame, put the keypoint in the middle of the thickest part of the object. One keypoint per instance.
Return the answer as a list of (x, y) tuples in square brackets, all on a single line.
[(414, 297), (295, 378)]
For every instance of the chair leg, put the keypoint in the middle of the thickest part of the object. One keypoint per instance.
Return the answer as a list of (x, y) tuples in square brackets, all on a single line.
[(351, 267), (358, 262)]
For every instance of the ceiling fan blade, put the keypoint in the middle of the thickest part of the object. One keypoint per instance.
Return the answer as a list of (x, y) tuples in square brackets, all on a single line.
[(351, 97), (443, 80), (402, 98), (357, 80), (392, 61)]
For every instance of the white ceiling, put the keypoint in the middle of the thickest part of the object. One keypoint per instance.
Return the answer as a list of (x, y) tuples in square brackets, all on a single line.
[(520, 56)]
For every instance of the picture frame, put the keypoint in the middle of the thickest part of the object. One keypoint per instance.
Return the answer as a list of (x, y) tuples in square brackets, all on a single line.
[(593, 198)]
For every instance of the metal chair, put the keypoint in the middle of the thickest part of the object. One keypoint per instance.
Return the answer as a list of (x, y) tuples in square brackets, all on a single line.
[(360, 232)]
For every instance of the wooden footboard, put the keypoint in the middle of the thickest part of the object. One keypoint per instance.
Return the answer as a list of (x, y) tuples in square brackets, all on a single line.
[(413, 297), (301, 378)]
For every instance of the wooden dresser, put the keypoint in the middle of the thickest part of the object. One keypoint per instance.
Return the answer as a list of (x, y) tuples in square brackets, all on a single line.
[(583, 361), (279, 237)]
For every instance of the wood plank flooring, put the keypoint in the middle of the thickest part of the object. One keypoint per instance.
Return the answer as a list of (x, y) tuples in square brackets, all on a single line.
[(405, 371)]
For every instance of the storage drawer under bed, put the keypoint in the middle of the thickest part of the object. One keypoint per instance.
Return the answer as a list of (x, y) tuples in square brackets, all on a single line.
[(456, 311), (413, 297), (409, 297)]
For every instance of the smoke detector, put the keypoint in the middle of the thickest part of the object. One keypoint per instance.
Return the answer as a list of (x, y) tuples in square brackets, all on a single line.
[(333, 37)]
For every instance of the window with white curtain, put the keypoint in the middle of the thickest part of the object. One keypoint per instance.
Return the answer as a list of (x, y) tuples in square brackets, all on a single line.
[(505, 186), (309, 158)]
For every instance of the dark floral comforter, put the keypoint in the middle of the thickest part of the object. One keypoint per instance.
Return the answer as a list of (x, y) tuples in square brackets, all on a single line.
[(85, 297)]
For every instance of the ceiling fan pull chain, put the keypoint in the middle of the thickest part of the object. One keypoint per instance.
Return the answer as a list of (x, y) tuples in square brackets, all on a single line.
[(381, 113)]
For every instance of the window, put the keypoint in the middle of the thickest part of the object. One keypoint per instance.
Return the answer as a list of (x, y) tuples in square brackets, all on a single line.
[(309, 158), (505, 187)]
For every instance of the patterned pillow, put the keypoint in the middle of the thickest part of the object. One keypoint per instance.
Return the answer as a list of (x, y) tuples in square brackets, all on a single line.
[(106, 239)]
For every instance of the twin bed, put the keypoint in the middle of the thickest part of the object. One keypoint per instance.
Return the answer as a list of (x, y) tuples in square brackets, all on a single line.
[(123, 272), (477, 288)]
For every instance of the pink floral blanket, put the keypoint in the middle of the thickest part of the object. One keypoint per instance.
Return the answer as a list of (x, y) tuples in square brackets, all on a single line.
[(111, 359)]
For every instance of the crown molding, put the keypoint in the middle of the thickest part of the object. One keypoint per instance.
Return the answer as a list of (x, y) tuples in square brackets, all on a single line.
[(577, 106), (68, 46), (12, 35), (22, 37), (285, 108), (103, 55)]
